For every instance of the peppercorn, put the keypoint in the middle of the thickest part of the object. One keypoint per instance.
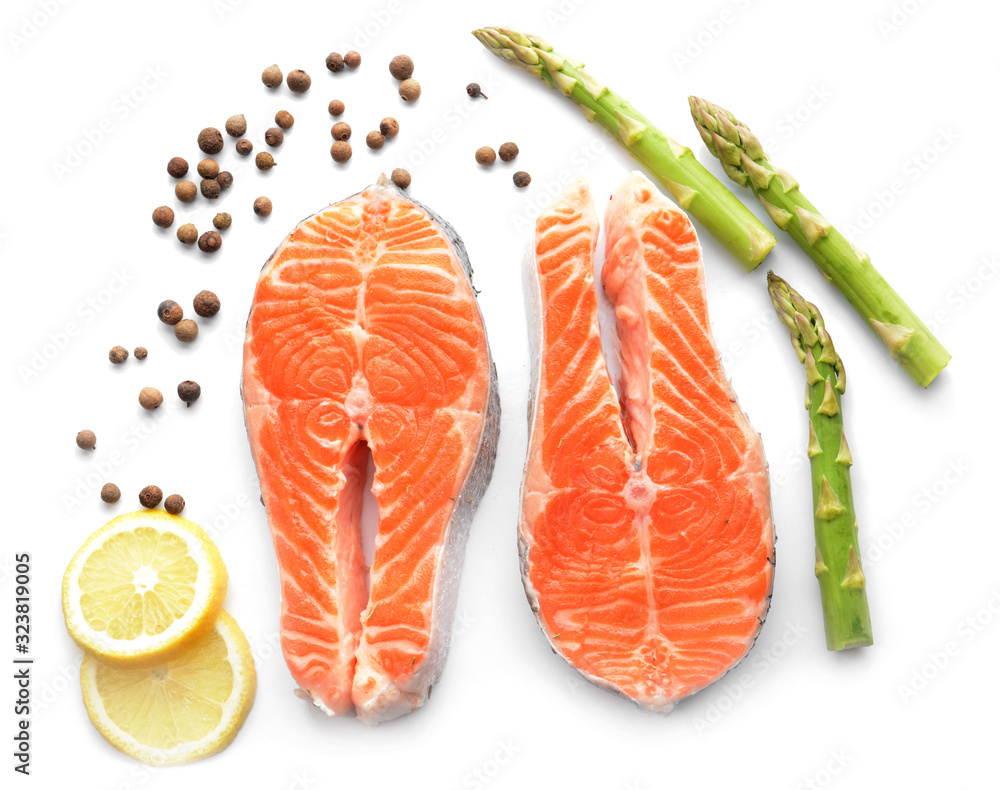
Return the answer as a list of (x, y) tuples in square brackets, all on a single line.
[(140, 352), (177, 167), (244, 147), (174, 504), (111, 493), (189, 392), (298, 81), (521, 179), (409, 90), (185, 191), (264, 161), (208, 168), (163, 216), (341, 131), (150, 496), (186, 331), (475, 91), (284, 119), (352, 59), (401, 178), (150, 398), (336, 107), (401, 67), (335, 62), (262, 206), (236, 126), (508, 151), (187, 233), (486, 155), (206, 304), (374, 140), (210, 140), (389, 127), (169, 312), (118, 355), (211, 188), (222, 221), (225, 179), (86, 440), (271, 76), (210, 241), (340, 151), (274, 137)]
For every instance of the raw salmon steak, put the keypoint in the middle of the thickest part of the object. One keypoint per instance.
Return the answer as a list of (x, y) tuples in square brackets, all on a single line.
[(645, 535), (365, 336)]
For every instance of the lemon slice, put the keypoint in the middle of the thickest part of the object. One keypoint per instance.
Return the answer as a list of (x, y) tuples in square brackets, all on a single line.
[(179, 711), (143, 588)]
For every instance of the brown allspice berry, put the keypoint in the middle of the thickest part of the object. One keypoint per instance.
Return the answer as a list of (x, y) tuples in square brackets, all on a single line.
[(185, 191), (225, 179), (336, 107), (409, 90), (163, 216), (187, 233), (262, 206), (86, 440), (189, 392), (208, 168), (210, 140), (169, 312), (222, 220), (284, 119), (150, 497), (521, 179), (150, 398), (177, 167), (486, 155), (264, 161), (236, 126), (210, 188), (401, 67), (174, 504), (274, 137), (389, 127), (335, 62), (186, 331), (244, 147), (140, 352), (111, 493), (210, 241), (341, 131), (272, 76), (374, 140), (340, 151), (401, 177), (352, 59), (508, 151), (475, 91), (118, 355), (298, 81), (206, 304)]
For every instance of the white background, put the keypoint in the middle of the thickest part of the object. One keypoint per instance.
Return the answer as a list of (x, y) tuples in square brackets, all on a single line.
[(853, 97)]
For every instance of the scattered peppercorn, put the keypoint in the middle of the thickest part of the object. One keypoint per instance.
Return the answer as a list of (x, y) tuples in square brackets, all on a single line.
[(140, 352), (177, 167), (187, 233), (236, 126), (262, 206), (225, 179), (401, 178), (409, 90), (86, 440), (206, 304), (274, 137), (186, 191), (284, 119), (210, 241), (352, 59), (389, 127), (244, 147), (150, 398), (118, 355), (150, 496), (508, 151), (475, 91), (401, 67), (174, 504), (210, 188), (374, 140), (336, 107), (271, 76), (189, 392), (264, 161), (521, 179), (298, 81), (208, 168), (169, 312), (335, 62), (340, 151), (210, 140), (111, 493), (186, 331), (486, 155), (222, 221), (163, 216), (341, 131)]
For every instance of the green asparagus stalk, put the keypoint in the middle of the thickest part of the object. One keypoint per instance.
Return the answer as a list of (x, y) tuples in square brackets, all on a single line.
[(838, 557), (674, 165), (906, 337)]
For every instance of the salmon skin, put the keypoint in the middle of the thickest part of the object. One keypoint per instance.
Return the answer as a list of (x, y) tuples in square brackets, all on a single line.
[(365, 330), (645, 536)]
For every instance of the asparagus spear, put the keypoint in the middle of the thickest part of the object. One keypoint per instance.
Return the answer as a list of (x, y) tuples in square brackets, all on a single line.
[(691, 185), (909, 342), (838, 563)]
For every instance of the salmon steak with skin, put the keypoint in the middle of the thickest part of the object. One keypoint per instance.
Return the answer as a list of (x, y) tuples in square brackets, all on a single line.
[(646, 541), (365, 338)]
